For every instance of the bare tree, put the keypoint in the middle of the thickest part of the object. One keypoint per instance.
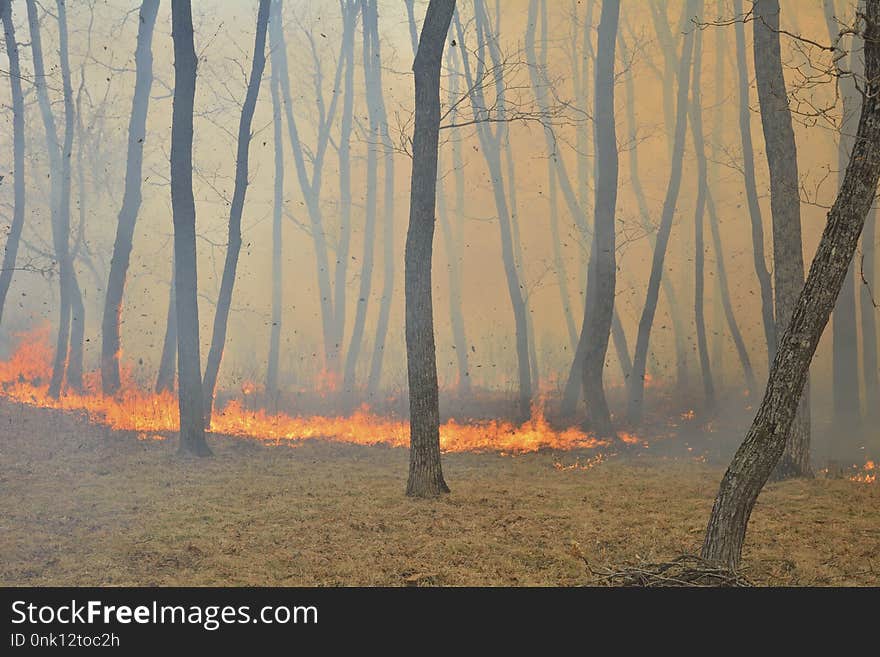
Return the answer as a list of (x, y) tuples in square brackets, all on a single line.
[(785, 205), (131, 199), (425, 471), (189, 387), (640, 358), (766, 440), (18, 145), (165, 375), (233, 247)]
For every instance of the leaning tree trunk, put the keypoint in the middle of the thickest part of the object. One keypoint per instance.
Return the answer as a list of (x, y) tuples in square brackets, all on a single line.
[(766, 440), (233, 247), (425, 472), (165, 377), (599, 304), (868, 310), (788, 257), (696, 112), (131, 198), (637, 380), (18, 140), (748, 169), (183, 208)]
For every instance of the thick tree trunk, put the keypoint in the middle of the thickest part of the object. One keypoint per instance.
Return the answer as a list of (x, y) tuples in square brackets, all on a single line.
[(425, 472), (233, 246), (165, 377), (767, 438), (601, 284), (277, 232), (788, 258), (131, 199), (748, 169), (696, 115), (637, 380), (18, 143), (189, 388)]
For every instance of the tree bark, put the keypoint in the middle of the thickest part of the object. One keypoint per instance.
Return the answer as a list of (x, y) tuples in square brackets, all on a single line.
[(768, 435), (788, 258), (425, 471), (189, 388), (233, 246), (131, 199), (18, 144), (635, 407)]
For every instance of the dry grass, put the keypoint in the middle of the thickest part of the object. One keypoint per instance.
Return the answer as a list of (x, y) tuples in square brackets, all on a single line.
[(79, 507)]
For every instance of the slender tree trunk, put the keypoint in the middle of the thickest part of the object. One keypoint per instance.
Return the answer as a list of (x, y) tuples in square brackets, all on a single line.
[(369, 13), (599, 305), (637, 380), (766, 440), (131, 199), (388, 251), (233, 247), (745, 130), (277, 214), (18, 144), (844, 336), (696, 116), (165, 377), (788, 258), (868, 309), (77, 335), (343, 246), (189, 388), (425, 472)]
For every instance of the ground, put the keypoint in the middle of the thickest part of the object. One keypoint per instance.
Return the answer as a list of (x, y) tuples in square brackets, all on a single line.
[(83, 506)]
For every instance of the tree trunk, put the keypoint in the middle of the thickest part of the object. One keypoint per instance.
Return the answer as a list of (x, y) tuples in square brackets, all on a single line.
[(637, 380), (369, 14), (131, 199), (601, 284), (844, 335), (343, 246), (388, 251), (767, 438), (425, 472), (788, 259), (189, 388), (868, 310), (233, 247), (748, 151), (277, 214), (165, 377), (696, 115), (18, 143)]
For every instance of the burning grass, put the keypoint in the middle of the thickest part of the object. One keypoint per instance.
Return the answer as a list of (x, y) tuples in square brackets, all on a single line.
[(84, 505)]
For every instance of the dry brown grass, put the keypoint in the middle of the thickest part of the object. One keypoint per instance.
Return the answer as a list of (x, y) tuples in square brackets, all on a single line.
[(80, 507)]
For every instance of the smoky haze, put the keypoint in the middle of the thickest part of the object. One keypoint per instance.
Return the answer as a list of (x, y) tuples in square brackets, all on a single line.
[(548, 258)]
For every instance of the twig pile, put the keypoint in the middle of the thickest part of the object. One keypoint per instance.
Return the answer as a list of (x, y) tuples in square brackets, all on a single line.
[(686, 570)]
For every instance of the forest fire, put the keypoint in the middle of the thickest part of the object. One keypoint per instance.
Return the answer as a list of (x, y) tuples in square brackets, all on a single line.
[(24, 378)]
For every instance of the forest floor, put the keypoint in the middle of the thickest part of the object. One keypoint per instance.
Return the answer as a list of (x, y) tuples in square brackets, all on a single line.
[(83, 506)]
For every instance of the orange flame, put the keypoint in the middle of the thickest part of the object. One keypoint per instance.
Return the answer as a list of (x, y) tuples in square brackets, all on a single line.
[(24, 378)]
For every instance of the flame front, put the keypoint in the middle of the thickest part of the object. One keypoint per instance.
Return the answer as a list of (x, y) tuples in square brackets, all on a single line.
[(24, 378)]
